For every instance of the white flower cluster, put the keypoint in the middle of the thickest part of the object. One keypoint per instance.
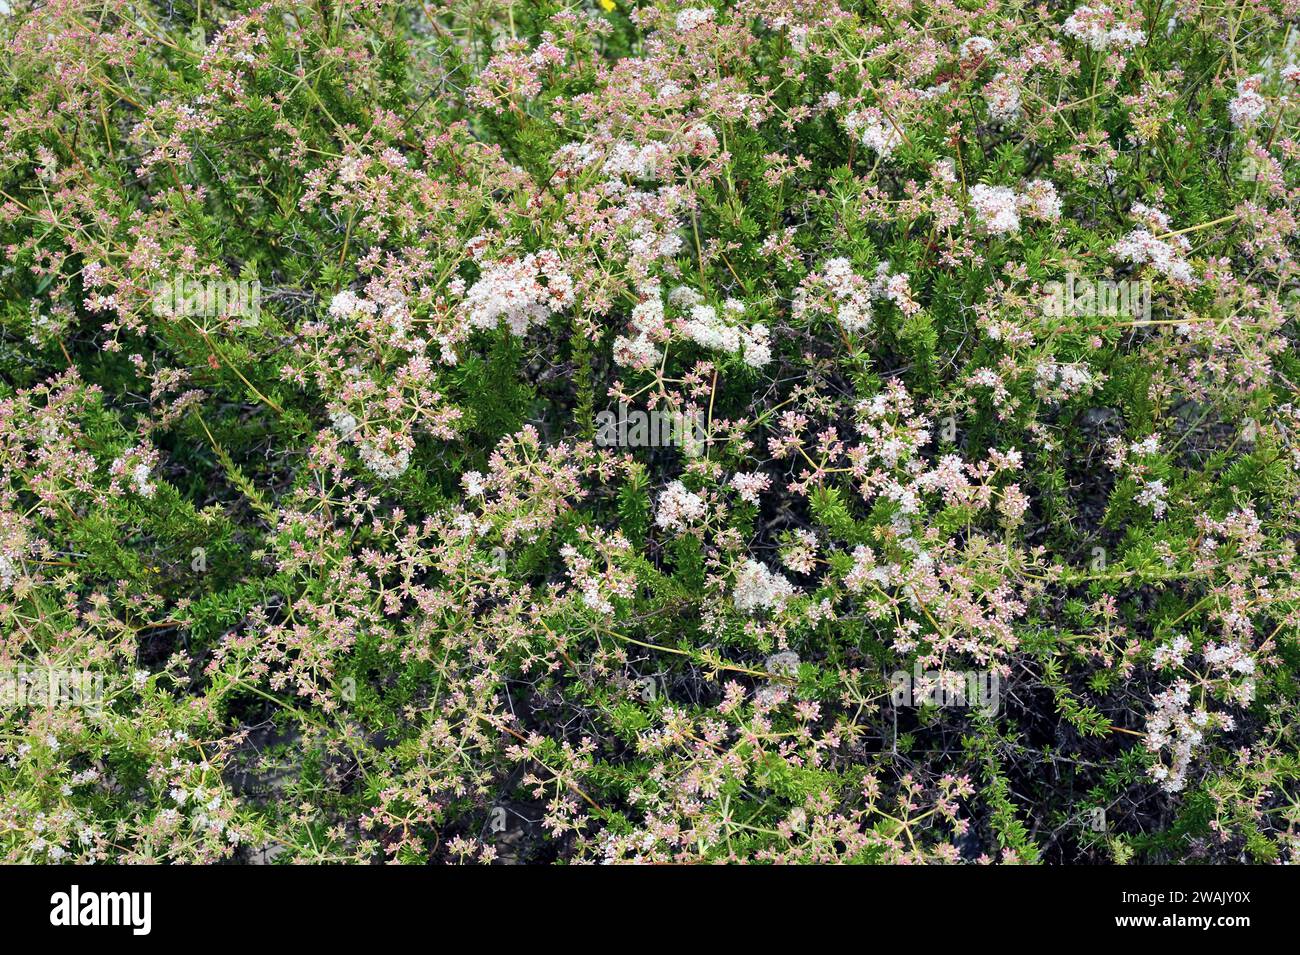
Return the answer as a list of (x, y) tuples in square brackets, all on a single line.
[(1141, 247), (639, 162), (136, 466), (1003, 97), (384, 313), (519, 292), (850, 292), (391, 306), (890, 427), (1152, 492), (748, 485), (344, 423), (1102, 30), (1152, 495), (865, 571), (1171, 654), (388, 457), (773, 694), (995, 208), (800, 554), (998, 208), (347, 304), (1057, 382), (1232, 660), (1039, 201), (651, 231), (7, 572), (140, 475), (896, 287), (758, 588), (1174, 725), (649, 329), (1148, 445), (571, 158), (874, 131), (786, 663), (597, 586), (721, 329), (1248, 105), (386, 465), (836, 289), (700, 139), (679, 507), (473, 483), (976, 47), (204, 806), (693, 17)]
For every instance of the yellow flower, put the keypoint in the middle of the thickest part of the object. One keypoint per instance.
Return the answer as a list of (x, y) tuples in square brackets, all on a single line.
[(608, 5)]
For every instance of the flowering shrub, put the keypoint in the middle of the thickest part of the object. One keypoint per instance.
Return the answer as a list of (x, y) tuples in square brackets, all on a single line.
[(309, 315)]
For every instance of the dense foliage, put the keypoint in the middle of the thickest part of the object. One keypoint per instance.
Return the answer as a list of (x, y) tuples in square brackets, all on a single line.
[(330, 332)]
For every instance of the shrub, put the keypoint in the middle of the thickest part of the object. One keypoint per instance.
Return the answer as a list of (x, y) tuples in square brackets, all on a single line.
[(335, 339)]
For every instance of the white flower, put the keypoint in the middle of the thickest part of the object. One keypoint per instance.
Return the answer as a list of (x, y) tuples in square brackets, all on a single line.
[(1248, 105), (880, 138), (644, 162), (639, 353), (758, 588), (679, 507), (384, 465), (1060, 382), (473, 482), (346, 304), (851, 293), (1141, 247), (1040, 201), (352, 169), (140, 480), (995, 207), (693, 17), (874, 131), (976, 46), (749, 486), (1100, 29), (572, 158), (684, 297), (1003, 97), (519, 292), (1171, 654), (708, 329), (785, 663), (754, 347), (1152, 495), (701, 138), (801, 555), (1148, 445), (344, 423)]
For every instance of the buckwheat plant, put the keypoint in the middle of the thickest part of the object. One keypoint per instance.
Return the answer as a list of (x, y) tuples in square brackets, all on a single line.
[(360, 583)]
